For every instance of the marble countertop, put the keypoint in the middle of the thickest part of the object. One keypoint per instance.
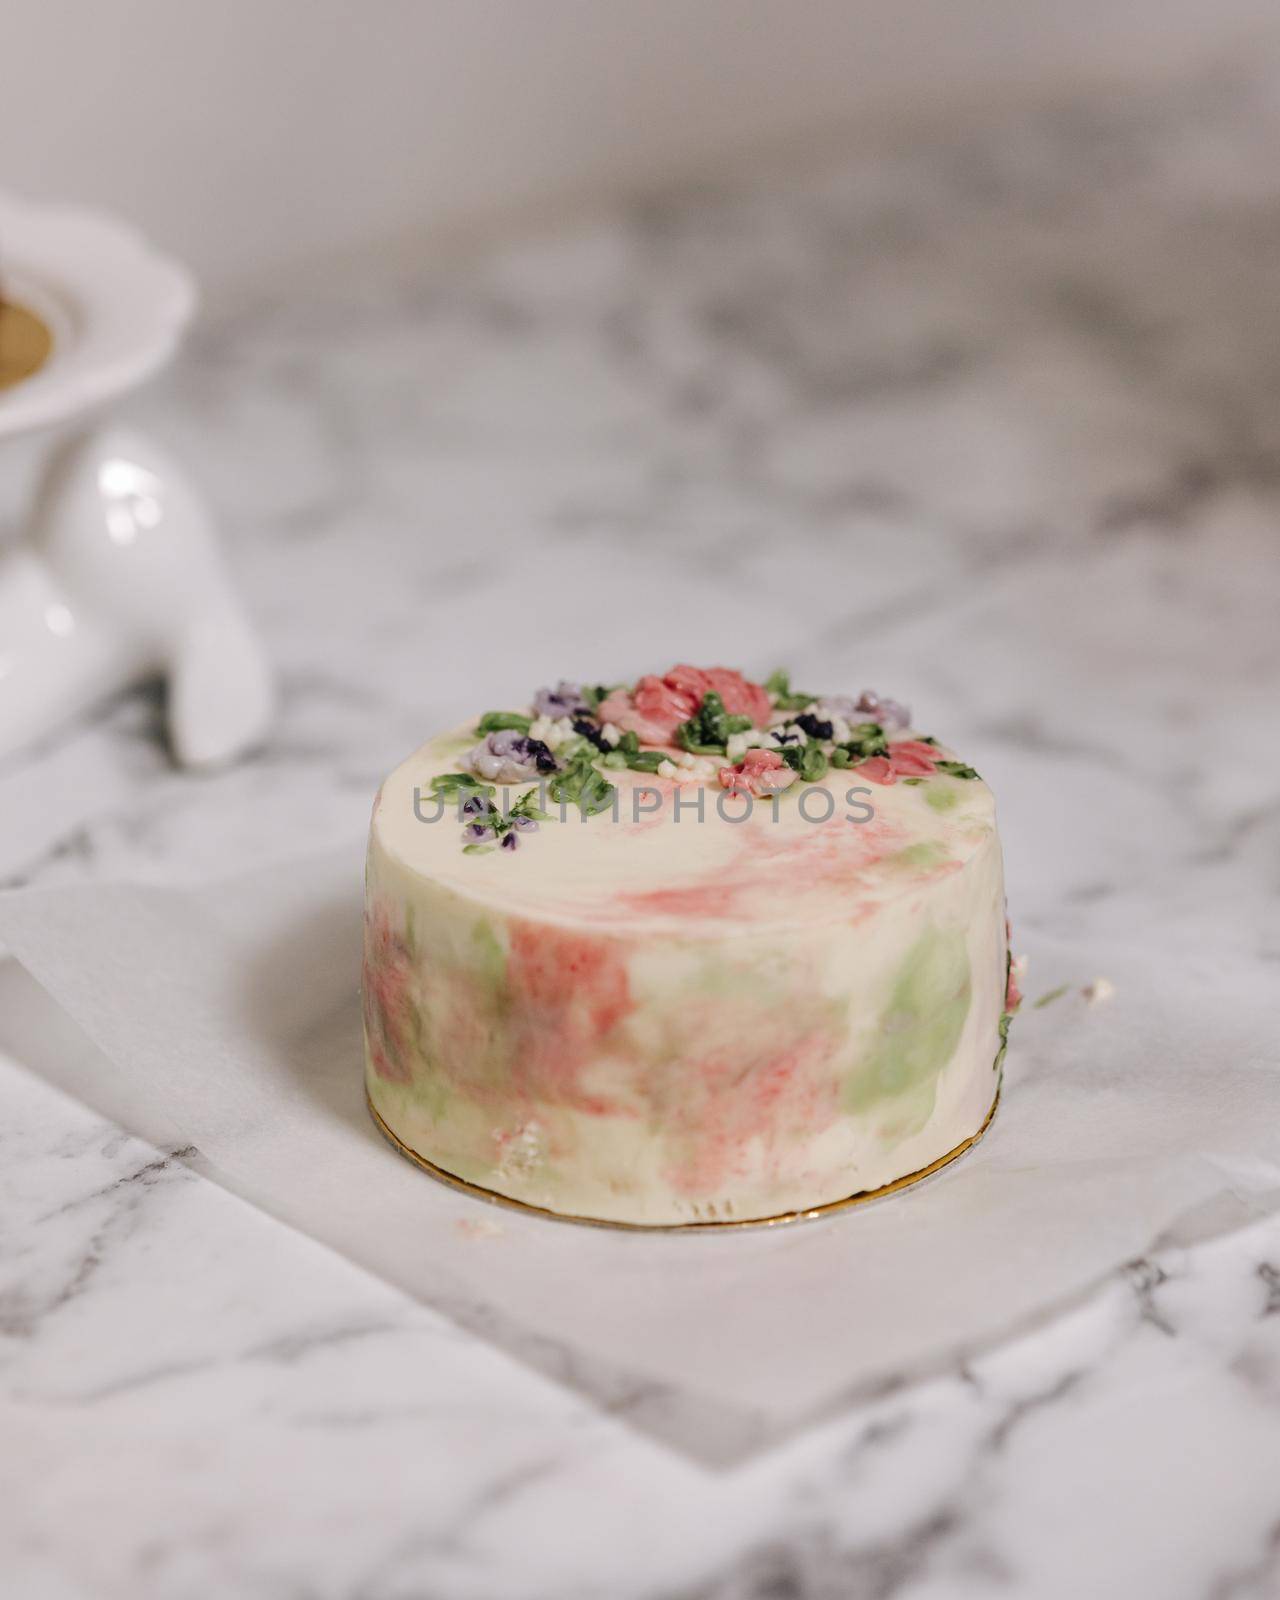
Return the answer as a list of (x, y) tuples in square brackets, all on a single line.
[(988, 420)]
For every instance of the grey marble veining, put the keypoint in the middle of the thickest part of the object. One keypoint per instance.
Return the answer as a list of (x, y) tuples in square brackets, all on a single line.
[(991, 423)]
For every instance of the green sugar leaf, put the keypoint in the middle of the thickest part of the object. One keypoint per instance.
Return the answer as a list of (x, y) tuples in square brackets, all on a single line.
[(707, 731), (813, 762), (695, 746), (785, 698), (597, 795), (453, 785), (527, 806), (956, 769), (1003, 1031), (495, 721), (866, 744), (581, 785), (647, 760)]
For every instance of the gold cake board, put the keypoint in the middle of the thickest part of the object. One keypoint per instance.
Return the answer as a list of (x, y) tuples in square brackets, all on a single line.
[(864, 1195)]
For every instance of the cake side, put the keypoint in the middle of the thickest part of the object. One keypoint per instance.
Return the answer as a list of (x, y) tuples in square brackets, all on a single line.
[(682, 852), (670, 1017)]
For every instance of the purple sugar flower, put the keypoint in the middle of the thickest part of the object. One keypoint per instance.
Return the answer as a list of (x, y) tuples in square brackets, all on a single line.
[(888, 713), (509, 756), (838, 705), (868, 706), (477, 830), (565, 700)]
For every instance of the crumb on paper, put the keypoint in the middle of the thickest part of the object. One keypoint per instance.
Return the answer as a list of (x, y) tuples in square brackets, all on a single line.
[(1100, 989), (478, 1227)]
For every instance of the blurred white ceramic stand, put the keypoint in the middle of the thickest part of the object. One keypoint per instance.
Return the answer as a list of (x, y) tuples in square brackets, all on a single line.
[(119, 577)]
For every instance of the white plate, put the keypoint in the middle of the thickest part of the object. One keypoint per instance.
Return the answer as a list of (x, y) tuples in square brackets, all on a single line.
[(116, 308)]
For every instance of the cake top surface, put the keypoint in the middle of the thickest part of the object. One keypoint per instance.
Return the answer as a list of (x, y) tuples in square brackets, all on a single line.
[(695, 799)]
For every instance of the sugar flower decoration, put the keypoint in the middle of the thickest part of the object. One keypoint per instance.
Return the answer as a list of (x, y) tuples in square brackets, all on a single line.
[(509, 756), (869, 707), (759, 773), (565, 700), (909, 758), (656, 707)]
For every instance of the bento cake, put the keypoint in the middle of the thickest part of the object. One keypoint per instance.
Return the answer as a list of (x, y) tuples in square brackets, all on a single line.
[(694, 950)]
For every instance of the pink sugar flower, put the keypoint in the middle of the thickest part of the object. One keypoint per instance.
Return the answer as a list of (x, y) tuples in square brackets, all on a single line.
[(656, 707), (653, 711), (740, 696), (909, 758), (760, 772)]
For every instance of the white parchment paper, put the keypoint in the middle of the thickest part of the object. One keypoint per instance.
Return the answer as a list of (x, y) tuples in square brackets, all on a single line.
[(224, 1022)]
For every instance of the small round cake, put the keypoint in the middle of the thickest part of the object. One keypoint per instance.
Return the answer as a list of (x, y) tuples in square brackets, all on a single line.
[(691, 951)]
